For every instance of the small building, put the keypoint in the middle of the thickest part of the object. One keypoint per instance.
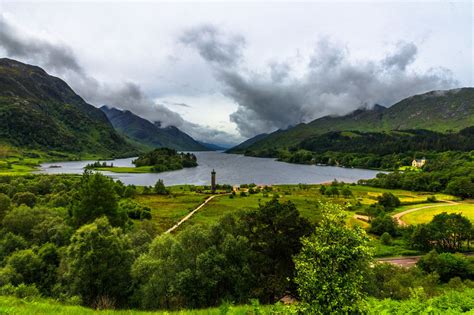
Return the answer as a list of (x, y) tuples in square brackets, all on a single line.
[(418, 163)]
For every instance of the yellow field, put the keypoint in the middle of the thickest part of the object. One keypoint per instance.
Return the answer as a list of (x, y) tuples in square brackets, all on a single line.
[(425, 215)]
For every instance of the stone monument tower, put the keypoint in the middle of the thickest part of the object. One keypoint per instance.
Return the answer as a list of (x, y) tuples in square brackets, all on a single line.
[(213, 181)]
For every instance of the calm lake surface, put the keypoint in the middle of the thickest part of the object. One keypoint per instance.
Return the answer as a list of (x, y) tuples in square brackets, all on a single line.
[(230, 168)]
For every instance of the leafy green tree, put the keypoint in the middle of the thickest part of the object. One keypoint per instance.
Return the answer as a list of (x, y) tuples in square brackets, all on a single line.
[(332, 266), (198, 268), (386, 238), (24, 198), (421, 237), (96, 198), (346, 192), (389, 201), (98, 261), (5, 205), (274, 231), (461, 186), (332, 191), (383, 224), (322, 190), (395, 282), (160, 188), (375, 210), (11, 242), (23, 220), (27, 264), (446, 265), (449, 231), (50, 260)]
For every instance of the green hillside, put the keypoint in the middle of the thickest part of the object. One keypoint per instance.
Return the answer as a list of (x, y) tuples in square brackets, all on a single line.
[(147, 133), (441, 111), (39, 111)]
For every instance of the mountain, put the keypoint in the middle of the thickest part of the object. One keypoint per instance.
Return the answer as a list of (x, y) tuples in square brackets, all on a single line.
[(247, 143), (151, 134), (441, 111), (39, 111), (213, 146)]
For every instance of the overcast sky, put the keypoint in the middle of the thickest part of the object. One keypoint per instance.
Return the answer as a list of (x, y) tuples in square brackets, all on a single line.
[(226, 71)]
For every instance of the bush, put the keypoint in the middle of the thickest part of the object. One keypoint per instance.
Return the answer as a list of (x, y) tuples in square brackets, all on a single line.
[(386, 239), (5, 205), (446, 265), (383, 224), (24, 198), (389, 201), (160, 188), (22, 291)]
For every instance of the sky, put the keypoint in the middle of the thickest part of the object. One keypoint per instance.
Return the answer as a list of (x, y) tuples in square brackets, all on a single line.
[(225, 71)]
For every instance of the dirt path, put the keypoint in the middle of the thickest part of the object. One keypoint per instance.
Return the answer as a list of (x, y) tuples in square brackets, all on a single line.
[(401, 261), (189, 215), (409, 261), (399, 216)]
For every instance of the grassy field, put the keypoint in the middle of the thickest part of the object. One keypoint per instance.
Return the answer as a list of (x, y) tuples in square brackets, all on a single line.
[(167, 210), (12, 305), (425, 215), (368, 195), (125, 169)]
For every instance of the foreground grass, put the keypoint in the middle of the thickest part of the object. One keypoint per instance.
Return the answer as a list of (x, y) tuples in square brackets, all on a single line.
[(12, 305), (450, 302), (425, 215)]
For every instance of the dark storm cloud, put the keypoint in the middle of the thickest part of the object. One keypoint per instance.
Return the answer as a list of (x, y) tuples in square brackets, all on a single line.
[(214, 46), (55, 57), (60, 60), (331, 84)]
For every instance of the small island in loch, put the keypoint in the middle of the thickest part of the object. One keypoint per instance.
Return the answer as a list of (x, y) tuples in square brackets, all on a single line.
[(156, 161)]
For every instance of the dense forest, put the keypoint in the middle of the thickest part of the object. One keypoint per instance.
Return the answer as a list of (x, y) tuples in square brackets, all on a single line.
[(449, 167), (85, 240), (165, 159)]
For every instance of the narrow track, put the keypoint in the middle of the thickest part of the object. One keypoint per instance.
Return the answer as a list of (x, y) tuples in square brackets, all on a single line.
[(189, 215), (399, 216)]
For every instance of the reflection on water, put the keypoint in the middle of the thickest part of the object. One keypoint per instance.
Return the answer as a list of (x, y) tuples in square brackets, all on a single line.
[(231, 169)]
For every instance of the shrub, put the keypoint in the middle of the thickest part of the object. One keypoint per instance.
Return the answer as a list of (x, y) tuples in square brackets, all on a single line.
[(5, 205), (388, 200), (386, 239), (160, 188), (383, 224), (24, 198), (446, 265)]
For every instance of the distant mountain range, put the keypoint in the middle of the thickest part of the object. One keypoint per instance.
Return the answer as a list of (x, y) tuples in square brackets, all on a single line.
[(441, 111), (151, 134), (39, 111)]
